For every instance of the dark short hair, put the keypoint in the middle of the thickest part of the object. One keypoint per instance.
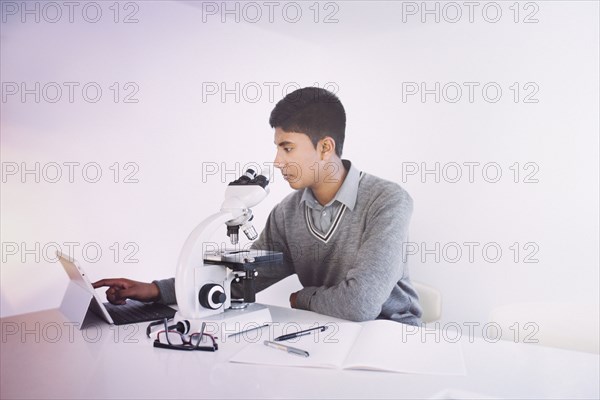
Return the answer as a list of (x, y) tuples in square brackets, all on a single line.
[(314, 111)]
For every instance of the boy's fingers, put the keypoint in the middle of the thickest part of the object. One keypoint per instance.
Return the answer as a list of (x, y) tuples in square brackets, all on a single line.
[(110, 282)]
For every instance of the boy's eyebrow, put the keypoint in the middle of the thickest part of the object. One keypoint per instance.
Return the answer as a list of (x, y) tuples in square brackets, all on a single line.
[(284, 143)]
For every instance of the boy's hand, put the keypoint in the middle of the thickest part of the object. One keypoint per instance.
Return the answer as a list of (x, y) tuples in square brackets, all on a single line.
[(121, 289)]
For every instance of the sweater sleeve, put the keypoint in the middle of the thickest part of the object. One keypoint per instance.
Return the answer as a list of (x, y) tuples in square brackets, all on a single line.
[(378, 267), (166, 288)]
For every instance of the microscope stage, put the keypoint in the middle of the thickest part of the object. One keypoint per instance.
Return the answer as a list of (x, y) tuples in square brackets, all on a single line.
[(243, 260)]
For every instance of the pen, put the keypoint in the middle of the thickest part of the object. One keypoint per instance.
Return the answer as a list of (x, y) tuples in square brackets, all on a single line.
[(298, 334), (248, 330), (289, 349)]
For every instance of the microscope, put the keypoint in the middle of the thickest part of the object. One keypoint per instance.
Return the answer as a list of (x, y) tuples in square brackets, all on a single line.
[(203, 278)]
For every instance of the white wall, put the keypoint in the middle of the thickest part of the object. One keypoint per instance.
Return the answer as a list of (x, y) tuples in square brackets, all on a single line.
[(368, 56)]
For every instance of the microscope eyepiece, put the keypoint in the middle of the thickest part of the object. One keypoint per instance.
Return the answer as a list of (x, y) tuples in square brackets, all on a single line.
[(261, 181), (251, 178)]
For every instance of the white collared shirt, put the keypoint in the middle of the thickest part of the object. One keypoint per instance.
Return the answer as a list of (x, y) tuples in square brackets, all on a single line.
[(323, 216)]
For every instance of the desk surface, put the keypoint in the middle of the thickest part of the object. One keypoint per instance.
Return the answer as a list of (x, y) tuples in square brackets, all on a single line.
[(44, 356)]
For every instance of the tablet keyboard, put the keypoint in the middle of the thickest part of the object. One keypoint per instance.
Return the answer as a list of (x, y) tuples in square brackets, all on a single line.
[(134, 311)]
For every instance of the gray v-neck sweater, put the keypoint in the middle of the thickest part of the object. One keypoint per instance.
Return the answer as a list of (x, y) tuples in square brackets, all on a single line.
[(356, 272)]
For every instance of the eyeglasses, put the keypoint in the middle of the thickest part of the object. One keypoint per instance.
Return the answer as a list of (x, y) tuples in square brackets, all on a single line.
[(173, 339)]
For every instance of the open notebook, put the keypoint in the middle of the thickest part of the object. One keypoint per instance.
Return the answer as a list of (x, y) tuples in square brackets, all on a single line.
[(379, 345)]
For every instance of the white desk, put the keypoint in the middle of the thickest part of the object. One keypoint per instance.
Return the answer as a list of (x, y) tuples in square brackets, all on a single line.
[(120, 362)]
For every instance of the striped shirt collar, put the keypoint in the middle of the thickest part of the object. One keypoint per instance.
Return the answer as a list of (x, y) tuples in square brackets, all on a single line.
[(346, 194)]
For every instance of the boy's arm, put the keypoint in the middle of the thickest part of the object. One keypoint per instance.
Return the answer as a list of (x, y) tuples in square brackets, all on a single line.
[(379, 265), (166, 288)]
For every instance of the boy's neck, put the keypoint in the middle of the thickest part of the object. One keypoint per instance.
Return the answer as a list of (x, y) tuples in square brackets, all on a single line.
[(331, 182)]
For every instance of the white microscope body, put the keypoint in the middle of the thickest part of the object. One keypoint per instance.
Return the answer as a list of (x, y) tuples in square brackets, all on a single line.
[(203, 290)]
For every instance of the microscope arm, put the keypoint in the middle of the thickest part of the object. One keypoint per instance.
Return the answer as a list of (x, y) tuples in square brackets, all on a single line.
[(191, 258), (192, 275)]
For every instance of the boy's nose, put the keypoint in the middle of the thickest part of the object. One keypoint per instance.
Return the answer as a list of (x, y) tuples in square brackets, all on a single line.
[(277, 163)]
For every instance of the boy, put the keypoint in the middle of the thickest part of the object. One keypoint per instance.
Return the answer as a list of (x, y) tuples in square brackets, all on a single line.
[(342, 230)]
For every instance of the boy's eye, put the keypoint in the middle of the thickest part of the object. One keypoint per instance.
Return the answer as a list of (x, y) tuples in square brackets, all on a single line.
[(287, 149)]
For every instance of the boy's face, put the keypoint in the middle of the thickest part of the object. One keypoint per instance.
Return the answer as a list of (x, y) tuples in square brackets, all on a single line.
[(297, 158)]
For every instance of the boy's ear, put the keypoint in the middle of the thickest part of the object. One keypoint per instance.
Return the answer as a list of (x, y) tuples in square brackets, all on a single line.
[(327, 146)]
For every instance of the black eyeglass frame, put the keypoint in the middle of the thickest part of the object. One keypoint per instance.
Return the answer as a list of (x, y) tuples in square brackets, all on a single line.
[(187, 344)]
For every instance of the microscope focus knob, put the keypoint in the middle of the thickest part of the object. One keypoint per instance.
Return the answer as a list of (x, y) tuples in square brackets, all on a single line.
[(212, 296)]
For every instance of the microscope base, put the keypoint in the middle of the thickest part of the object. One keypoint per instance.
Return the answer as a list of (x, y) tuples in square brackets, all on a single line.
[(231, 321)]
